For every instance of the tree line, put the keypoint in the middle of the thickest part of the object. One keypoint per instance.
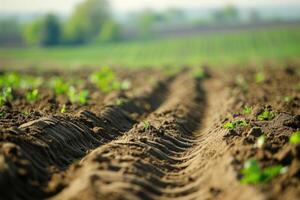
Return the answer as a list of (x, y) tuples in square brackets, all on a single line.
[(91, 21)]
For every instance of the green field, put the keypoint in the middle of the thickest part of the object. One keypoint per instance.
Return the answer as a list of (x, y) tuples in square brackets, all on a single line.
[(277, 44)]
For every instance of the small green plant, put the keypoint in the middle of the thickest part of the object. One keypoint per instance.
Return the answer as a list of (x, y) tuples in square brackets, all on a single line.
[(10, 79), (32, 95), (247, 110), (260, 141), (233, 125), (229, 125), (253, 174), (146, 125), (266, 115), (295, 138), (106, 80), (78, 97), (6, 95), (16, 80), (259, 77), (59, 85), (63, 109)]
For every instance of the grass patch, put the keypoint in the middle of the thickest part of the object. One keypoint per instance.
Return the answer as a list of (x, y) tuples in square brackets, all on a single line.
[(276, 44)]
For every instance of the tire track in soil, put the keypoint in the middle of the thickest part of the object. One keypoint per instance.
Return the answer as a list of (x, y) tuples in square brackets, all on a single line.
[(57, 141), (182, 154), (146, 162)]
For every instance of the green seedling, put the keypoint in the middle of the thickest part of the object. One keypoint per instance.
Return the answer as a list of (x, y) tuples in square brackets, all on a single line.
[(83, 97), (295, 138), (233, 125), (253, 174), (106, 80), (78, 97), (266, 115), (229, 125), (259, 77), (260, 141), (32, 96), (15, 80), (6, 95), (247, 110), (59, 85), (63, 109), (146, 125), (10, 79)]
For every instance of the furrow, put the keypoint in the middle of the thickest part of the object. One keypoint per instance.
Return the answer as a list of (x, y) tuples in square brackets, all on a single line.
[(57, 141), (136, 163)]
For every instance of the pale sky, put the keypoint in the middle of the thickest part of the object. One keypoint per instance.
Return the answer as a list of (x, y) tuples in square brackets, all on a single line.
[(65, 6)]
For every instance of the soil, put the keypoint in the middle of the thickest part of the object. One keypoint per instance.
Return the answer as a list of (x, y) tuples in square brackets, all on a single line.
[(166, 140)]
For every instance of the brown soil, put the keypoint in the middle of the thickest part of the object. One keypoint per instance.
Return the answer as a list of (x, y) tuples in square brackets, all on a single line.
[(166, 141)]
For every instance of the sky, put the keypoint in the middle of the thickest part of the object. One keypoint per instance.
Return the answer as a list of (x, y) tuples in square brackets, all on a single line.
[(66, 6)]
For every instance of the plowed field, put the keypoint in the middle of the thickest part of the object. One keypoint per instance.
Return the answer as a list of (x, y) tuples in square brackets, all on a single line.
[(163, 138)]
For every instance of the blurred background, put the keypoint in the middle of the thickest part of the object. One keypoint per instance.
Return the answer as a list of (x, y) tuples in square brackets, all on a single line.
[(137, 33)]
